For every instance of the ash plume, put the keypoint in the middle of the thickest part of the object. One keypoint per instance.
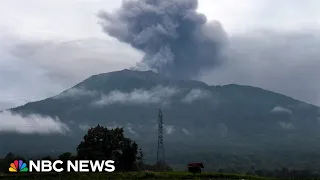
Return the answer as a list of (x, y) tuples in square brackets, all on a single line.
[(176, 39)]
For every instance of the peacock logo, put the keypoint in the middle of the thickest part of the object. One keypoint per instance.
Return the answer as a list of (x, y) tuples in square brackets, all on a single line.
[(18, 166)]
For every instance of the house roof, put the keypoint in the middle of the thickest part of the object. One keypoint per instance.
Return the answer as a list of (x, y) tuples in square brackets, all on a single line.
[(196, 164)]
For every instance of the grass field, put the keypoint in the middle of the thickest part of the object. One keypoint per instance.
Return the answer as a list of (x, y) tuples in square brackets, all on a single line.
[(127, 176)]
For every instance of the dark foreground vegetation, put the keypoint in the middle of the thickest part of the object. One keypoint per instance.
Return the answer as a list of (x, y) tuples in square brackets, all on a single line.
[(295, 174), (130, 175), (101, 143)]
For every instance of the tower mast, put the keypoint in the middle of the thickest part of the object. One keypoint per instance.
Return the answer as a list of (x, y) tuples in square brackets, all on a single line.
[(160, 152)]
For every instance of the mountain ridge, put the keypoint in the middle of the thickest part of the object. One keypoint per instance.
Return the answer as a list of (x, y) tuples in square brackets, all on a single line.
[(103, 75), (196, 114)]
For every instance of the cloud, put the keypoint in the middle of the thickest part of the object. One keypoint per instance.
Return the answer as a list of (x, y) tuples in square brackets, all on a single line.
[(279, 109), (41, 20), (284, 62), (31, 124), (157, 94), (252, 14), (169, 129), (185, 131), (130, 129), (67, 62), (195, 94), (31, 70), (285, 125), (75, 93), (21, 80)]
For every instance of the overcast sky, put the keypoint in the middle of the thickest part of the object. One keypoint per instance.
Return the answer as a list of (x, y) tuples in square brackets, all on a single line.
[(47, 46)]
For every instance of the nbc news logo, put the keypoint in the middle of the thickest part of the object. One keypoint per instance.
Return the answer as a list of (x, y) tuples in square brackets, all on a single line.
[(18, 166), (76, 166)]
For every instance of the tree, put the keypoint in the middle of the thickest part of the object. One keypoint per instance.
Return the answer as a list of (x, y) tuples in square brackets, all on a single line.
[(101, 143), (65, 156), (9, 158), (5, 162), (128, 159), (140, 163)]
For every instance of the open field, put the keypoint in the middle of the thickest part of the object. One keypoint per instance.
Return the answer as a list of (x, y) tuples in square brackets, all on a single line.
[(127, 176)]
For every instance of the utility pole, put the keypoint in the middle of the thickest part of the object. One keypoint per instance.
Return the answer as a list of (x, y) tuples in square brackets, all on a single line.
[(160, 152)]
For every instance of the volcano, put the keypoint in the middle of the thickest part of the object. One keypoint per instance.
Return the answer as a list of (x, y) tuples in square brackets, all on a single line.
[(197, 117)]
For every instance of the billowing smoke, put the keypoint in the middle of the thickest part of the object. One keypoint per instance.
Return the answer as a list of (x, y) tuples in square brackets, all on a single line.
[(176, 39)]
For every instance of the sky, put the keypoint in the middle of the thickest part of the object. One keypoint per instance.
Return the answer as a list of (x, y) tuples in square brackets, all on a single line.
[(49, 46)]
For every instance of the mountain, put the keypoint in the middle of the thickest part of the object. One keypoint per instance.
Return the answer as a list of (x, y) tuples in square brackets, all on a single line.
[(198, 118)]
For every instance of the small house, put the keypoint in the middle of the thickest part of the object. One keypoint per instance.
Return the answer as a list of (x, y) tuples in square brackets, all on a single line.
[(195, 167)]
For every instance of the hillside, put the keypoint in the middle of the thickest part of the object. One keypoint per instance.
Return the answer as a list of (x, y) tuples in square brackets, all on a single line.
[(197, 117)]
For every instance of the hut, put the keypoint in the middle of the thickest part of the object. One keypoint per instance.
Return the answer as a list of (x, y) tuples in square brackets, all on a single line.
[(195, 167)]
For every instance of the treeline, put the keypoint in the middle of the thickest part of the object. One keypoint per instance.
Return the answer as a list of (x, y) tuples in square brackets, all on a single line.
[(282, 173), (99, 143), (242, 162), (287, 173)]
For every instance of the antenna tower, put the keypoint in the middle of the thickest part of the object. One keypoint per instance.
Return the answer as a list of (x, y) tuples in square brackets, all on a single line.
[(160, 152)]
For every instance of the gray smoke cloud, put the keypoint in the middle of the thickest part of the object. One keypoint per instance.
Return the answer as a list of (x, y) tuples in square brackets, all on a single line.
[(176, 39)]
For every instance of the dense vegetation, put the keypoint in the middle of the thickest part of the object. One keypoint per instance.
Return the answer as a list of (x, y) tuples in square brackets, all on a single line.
[(132, 175), (153, 175), (101, 143)]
